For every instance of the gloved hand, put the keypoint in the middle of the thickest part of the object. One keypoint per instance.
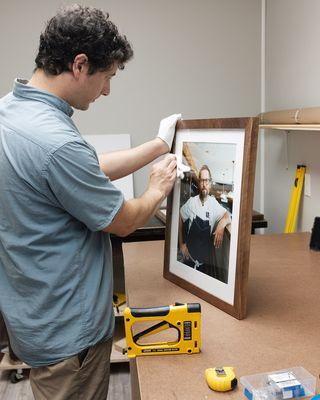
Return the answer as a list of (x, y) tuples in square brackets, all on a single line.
[(181, 168), (167, 128)]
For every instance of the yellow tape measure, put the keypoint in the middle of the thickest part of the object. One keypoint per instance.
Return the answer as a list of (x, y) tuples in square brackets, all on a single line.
[(221, 379)]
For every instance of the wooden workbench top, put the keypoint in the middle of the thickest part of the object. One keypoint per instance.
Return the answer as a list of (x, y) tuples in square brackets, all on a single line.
[(282, 328)]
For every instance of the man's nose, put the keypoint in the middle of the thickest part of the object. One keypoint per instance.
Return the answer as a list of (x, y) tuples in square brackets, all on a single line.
[(106, 90)]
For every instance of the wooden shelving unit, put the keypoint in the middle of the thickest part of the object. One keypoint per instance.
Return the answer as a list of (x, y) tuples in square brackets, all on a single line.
[(119, 313), (118, 342), (291, 127), (6, 363)]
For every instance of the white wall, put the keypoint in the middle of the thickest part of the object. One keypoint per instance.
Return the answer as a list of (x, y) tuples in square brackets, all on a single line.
[(201, 58), (219, 157), (292, 80)]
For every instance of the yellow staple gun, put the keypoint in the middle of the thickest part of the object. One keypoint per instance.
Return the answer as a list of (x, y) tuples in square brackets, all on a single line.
[(184, 318)]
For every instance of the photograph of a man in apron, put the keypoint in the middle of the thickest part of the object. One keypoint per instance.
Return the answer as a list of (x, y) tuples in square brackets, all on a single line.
[(203, 242)]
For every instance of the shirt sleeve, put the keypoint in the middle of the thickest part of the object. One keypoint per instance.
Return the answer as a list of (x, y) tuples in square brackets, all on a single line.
[(80, 187), (219, 210)]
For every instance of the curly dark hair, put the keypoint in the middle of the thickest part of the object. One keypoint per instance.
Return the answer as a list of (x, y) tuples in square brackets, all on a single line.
[(77, 29)]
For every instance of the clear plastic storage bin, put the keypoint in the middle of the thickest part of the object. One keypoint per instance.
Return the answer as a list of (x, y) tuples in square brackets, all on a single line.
[(291, 383)]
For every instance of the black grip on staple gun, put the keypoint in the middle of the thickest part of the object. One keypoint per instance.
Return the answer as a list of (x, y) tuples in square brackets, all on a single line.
[(191, 307), (194, 307), (150, 312)]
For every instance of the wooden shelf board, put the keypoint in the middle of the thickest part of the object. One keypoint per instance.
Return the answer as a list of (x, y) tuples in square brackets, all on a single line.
[(291, 127), (117, 357), (121, 309), (119, 335), (6, 363)]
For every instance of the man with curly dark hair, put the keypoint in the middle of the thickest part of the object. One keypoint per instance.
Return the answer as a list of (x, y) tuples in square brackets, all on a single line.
[(58, 206)]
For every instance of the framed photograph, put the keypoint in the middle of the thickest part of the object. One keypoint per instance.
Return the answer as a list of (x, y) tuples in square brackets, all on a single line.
[(209, 213)]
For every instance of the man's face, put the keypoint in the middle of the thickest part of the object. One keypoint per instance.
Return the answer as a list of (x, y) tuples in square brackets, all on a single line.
[(205, 184), (90, 87)]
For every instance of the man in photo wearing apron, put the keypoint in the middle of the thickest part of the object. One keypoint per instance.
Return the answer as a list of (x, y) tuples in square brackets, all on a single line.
[(201, 231)]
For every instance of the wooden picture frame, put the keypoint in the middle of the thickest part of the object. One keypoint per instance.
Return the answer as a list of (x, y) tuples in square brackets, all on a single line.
[(230, 145)]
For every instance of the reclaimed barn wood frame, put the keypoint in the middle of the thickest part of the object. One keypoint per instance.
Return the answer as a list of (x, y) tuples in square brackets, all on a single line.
[(250, 127)]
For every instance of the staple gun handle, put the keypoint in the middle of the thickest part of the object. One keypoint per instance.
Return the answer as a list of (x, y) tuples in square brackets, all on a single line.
[(150, 312)]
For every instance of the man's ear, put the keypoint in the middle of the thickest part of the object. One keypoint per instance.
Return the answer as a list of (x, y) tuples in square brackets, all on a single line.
[(80, 65)]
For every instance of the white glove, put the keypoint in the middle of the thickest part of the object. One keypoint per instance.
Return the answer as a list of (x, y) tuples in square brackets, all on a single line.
[(167, 128), (181, 168)]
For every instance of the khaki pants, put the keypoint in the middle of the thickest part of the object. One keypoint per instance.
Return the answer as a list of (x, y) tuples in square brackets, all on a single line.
[(82, 377)]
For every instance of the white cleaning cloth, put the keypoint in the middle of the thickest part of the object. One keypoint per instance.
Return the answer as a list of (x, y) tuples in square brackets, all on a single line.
[(181, 168)]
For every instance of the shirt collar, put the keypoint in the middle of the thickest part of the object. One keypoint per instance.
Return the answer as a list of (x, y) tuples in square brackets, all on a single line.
[(207, 198), (21, 89)]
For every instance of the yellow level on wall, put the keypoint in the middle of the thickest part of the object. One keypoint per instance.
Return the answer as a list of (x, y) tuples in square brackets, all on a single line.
[(295, 199)]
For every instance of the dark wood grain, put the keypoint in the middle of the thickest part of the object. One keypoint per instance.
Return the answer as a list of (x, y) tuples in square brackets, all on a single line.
[(216, 123), (251, 127)]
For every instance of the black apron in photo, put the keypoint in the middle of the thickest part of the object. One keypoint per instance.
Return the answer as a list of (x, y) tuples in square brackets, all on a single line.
[(199, 244), (220, 258)]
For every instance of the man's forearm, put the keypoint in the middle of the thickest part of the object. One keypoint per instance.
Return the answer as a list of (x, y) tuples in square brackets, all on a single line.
[(145, 207), (225, 220), (136, 212), (118, 164)]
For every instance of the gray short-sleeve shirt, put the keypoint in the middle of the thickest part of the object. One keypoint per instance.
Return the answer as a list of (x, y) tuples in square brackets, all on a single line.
[(55, 263)]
